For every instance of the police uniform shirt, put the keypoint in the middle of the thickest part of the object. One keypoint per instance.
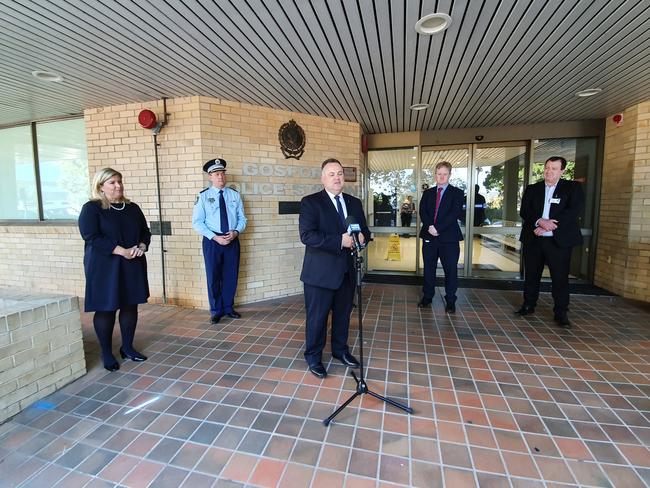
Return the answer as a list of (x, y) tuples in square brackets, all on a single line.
[(206, 216)]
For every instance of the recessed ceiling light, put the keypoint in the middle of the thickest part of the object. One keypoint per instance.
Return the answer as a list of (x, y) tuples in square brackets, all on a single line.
[(589, 92), (419, 106), (47, 76), (432, 24)]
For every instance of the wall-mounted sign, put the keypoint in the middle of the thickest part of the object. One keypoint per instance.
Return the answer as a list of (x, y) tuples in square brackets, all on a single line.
[(350, 173), (292, 140)]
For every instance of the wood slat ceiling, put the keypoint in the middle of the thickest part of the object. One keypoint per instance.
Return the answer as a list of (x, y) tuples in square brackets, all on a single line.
[(502, 62)]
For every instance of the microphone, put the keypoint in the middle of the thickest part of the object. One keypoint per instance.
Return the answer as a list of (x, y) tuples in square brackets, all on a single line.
[(353, 230)]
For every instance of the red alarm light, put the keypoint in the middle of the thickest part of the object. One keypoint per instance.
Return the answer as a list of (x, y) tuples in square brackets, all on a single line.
[(147, 119)]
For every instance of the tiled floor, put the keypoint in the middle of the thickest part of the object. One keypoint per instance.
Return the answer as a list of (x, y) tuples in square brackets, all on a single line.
[(499, 401)]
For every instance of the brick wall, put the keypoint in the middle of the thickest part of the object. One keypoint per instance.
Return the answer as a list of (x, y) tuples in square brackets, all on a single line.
[(41, 348), (199, 128), (623, 253)]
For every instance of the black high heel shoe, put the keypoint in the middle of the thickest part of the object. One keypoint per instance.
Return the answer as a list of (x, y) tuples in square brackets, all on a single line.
[(112, 367), (136, 356)]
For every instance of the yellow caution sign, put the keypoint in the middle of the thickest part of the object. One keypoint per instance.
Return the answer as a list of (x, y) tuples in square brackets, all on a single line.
[(394, 251)]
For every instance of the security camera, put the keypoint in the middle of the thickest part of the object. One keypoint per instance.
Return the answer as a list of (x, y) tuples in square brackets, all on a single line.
[(478, 138)]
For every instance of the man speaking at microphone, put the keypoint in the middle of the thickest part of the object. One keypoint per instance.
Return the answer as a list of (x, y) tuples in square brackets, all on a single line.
[(328, 269)]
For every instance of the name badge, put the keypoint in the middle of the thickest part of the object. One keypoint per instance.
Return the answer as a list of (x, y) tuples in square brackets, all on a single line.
[(555, 200)]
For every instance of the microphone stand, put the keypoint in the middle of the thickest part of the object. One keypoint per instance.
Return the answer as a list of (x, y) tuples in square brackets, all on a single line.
[(362, 387)]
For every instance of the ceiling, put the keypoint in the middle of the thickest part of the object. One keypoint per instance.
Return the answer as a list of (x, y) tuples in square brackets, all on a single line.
[(500, 62)]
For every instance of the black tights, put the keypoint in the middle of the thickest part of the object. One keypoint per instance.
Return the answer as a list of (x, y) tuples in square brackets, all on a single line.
[(104, 323)]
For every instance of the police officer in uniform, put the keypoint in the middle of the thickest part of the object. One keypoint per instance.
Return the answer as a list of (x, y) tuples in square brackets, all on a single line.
[(219, 217)]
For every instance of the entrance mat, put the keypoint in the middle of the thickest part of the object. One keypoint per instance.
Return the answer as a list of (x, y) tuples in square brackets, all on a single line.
[(482, 283)]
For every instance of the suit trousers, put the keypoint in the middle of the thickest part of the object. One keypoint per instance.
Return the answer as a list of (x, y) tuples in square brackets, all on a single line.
[(318, 304), (448, 252), (538, 252), (222, 272)]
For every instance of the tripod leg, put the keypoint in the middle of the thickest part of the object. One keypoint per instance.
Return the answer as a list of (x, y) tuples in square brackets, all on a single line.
[(391, 402), (327, 421)]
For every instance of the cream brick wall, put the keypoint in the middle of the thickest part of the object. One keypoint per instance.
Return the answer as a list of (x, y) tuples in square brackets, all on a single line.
[(41, 348), (623, 255), (49, 257), (42, 257)]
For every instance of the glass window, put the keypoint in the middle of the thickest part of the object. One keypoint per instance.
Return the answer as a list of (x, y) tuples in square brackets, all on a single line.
[(18, 198), (63, 165), (62, 170)]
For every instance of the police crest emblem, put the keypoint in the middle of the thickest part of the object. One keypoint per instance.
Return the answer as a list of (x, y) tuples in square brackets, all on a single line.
[(292, 140)]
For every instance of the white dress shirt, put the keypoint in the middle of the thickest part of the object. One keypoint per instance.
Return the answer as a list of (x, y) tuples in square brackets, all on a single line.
[(548, 195), (332, 197)]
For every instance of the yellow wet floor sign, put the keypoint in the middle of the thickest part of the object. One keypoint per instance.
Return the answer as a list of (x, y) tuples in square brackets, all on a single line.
[(394, 252)]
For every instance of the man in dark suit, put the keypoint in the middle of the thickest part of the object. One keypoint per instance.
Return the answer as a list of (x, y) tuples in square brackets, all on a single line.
[(440, 208), (328, 269), (550, 210)]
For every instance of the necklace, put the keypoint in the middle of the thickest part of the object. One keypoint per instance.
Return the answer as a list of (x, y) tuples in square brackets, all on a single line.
[(116, 208)]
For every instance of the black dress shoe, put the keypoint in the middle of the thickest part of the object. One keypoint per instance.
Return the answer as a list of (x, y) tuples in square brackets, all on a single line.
[(318, 370), (234, 315), (450, 307), (562, 320), (425, 302), (215, 319), (112, 367), (348, 360), (525, 310), (135, 356)]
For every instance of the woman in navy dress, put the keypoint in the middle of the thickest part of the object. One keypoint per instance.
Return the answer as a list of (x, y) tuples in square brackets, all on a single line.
[(116, 237)]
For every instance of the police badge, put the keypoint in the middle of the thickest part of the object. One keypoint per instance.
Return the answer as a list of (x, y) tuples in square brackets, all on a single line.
[(292, 140)]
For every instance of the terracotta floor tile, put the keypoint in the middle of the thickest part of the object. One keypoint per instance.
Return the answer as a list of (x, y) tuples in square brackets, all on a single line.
[(451, 432), (487, 460), (359, 482), (491, 391), (458, 478), (553, 469), (510, 440), (455, 455), (520, 465), (426, 474), (623, 476), (573, 448), (267, 472), (424, 449), (587, 473), (239, 467), (394, 469), (363, 463), (298, 476), (328, 479), (481, 436), (143, 474)]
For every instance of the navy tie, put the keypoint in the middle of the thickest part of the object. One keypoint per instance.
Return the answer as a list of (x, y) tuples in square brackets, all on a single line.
[(339, 207), (224, 215)]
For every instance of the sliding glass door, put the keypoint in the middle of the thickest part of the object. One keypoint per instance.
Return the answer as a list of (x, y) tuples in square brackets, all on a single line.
[(493, 177)]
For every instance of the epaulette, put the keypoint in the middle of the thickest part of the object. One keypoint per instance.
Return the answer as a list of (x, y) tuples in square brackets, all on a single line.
[(233, 188), (205, 189)]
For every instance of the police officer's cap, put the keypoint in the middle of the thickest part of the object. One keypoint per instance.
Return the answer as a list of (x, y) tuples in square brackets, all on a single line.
[(217, 164)]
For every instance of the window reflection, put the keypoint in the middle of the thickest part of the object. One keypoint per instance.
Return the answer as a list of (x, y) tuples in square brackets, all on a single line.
[(18, 199), (63, 166)]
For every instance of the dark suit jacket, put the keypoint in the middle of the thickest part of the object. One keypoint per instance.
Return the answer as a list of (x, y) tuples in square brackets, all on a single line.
[(320, 228), (451, 208), (566, 212)]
